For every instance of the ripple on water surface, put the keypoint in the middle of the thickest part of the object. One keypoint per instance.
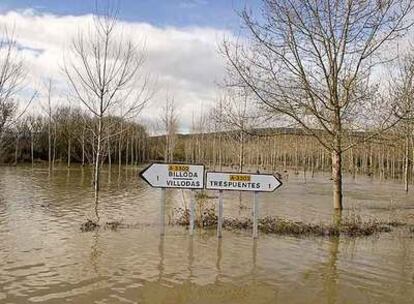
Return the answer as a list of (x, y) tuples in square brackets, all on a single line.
[(46, 259)]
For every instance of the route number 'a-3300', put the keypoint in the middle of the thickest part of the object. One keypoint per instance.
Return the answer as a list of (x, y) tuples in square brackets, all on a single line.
[(174, 176)]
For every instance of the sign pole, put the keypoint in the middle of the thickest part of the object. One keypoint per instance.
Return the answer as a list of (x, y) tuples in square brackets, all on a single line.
[(255, 214), (176, 176), (162, 211), (192, 203), (220, 215)]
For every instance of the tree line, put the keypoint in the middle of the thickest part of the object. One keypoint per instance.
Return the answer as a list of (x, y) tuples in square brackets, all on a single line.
[(69, 135)]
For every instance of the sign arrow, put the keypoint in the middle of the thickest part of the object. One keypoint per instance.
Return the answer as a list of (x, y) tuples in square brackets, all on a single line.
[(182, 176), (242, 182)]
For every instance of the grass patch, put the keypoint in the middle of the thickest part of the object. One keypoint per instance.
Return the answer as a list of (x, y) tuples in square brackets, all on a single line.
[(352, 226), (91, 225), (205, 218), (203, 195), (114, 225), (348, 226)]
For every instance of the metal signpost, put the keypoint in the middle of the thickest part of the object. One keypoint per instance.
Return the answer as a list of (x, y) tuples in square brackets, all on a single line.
[(186, 176), (179, 176), (241, 182)]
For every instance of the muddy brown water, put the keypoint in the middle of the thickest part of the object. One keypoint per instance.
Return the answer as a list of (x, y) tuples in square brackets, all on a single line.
[(44, 258)]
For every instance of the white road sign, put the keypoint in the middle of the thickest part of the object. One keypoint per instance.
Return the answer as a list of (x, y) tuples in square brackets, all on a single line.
[(242, 182), (182, 176)]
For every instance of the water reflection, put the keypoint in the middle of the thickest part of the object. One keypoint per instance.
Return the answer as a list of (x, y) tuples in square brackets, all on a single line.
[(331, 272), (190, 257), (219, 258), (45, 258), (95, 251), (254, 255), (161, 255)]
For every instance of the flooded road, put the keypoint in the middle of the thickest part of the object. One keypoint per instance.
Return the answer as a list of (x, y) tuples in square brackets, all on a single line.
[(46, 259)]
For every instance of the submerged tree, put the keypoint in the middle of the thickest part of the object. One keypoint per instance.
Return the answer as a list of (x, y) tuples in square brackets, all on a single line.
[(311, 60), (104, 70)]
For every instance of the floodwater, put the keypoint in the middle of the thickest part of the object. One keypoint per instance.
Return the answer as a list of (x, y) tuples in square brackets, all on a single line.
[(44, 258)]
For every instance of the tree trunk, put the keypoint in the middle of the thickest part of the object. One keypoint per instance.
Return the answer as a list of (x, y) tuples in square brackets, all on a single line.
[(407, 164), (241, 152), (83, 147), (337, 179), (16, 150), (119, 152), (97, 167), (132, 150), (69, 153), (32, 148), (126, 152), (109, 154), (54, 147), (49, 138)]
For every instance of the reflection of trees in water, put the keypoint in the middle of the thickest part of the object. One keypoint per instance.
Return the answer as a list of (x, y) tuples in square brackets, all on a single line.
[(190, 256), (68, 181), (109, 177), (331, 272), (254, 256), (219, 258), (161, 254), (337, 217), (95, 252), (240, 202), (82, 177), (406, 262)]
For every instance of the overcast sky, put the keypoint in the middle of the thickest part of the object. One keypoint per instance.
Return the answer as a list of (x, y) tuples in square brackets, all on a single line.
[(182, 37)]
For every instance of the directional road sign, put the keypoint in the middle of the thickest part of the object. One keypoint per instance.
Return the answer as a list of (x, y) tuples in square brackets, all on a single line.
[(181, 176), (242, 182)]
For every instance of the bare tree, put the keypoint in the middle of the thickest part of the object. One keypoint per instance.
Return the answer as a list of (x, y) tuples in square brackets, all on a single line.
[(12, 77), (311, 60), (48, 109), (104, 72), (236, 116), (34, 125), (169, 121), (402, 90)]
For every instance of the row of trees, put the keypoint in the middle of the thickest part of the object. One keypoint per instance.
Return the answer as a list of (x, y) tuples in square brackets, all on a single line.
[(70, 135), (289, 149)]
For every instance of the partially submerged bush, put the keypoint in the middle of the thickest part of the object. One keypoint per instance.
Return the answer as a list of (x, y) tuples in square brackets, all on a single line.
[(89, 225), (237, 224), (204, 218), (113, 225), (351, 226), (203, 195), (346, 227)]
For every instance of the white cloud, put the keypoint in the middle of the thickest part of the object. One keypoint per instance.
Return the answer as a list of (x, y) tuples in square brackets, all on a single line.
[(184, 60)]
